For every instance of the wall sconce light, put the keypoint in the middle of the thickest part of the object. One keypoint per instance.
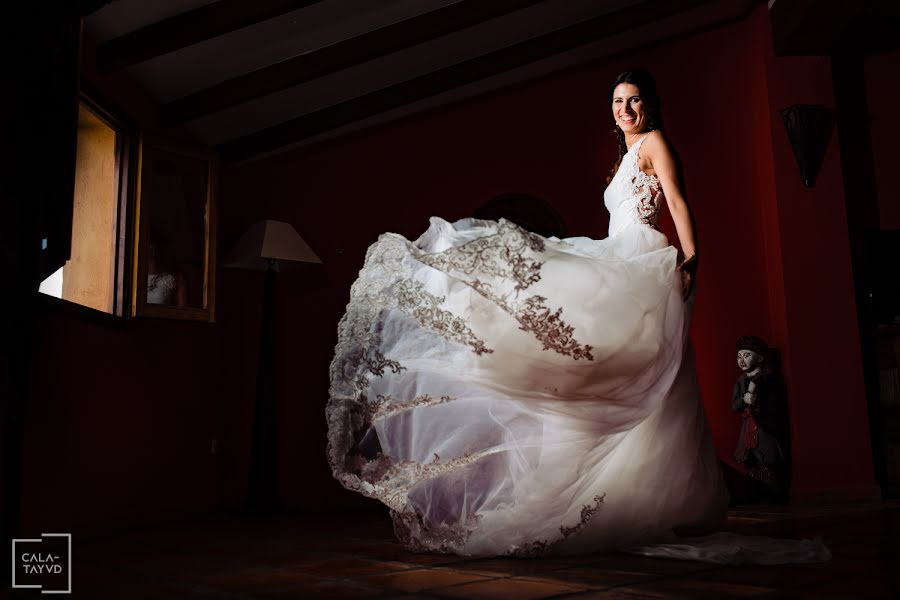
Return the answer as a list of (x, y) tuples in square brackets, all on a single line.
[(809, 130)]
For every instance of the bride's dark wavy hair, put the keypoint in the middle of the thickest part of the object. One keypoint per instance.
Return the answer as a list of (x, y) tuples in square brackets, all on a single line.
[(646, 86)]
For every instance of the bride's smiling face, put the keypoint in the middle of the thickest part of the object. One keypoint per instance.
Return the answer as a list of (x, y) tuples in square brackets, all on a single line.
[(628, 108)]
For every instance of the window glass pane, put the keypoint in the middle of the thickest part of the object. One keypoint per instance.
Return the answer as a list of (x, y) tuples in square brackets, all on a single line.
[(176, 247)]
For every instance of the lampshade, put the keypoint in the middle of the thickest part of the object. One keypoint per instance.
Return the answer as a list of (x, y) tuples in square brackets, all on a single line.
[(270, 241)]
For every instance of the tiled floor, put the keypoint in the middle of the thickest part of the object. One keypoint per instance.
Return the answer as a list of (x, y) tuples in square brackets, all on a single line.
[(357, 557)]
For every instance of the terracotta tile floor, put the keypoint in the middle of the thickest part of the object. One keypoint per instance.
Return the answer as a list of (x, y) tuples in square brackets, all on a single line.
[(356, 556)]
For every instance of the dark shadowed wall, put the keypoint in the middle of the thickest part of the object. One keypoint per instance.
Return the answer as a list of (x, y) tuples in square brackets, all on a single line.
[(883, 93), (121, 414)]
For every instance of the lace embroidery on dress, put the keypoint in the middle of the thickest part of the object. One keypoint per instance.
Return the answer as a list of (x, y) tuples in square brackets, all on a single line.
[(501, 255), (505, 256), (443, 538), (385, 283), (648, 194), (541, 547), (425, 308), (357, 353), (646, 191), (376, 362), (391, 481), (550, 329), (385, 406)]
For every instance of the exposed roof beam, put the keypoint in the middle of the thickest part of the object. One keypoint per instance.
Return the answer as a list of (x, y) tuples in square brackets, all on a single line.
[(341, 55), (189, 28), (419, 88)]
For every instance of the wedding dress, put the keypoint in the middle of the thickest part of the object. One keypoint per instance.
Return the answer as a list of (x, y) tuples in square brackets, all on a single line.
[(509, 394)]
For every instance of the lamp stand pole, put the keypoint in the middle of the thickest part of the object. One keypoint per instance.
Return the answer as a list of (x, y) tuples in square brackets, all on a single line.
[(263, 496)]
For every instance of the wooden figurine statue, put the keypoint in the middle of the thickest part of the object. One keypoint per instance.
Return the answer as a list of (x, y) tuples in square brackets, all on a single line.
[(755, 397)]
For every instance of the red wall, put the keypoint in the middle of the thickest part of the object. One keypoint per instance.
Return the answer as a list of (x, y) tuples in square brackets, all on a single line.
[(816, 314)]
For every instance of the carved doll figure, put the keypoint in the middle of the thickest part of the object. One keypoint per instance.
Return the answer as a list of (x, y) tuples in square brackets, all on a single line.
[(754, 397)]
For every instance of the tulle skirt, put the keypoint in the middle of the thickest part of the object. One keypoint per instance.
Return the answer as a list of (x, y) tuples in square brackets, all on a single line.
[(508, 394)]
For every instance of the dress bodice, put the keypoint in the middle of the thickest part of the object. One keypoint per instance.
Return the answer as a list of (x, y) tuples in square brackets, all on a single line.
[(632, 197)]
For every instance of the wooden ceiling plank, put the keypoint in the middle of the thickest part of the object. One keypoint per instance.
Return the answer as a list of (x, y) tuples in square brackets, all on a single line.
[(189, 28), (330, 59), (422, 87)]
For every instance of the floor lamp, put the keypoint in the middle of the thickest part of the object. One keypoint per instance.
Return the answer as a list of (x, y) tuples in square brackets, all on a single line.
[(268, 246)]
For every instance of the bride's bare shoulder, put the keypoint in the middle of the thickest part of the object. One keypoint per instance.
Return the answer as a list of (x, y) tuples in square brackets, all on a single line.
[(657, 145), (657, 139)]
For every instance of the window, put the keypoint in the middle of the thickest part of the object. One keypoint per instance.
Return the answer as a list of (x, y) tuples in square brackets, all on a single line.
[(174, 275), (93, 274)]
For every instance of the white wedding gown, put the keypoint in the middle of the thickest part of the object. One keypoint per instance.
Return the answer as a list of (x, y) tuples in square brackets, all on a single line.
[(508, 394)]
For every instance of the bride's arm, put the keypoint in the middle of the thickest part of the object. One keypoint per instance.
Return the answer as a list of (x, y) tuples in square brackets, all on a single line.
[(662, 160)]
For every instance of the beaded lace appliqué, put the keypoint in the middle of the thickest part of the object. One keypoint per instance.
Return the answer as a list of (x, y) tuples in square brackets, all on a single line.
[(541, 547), (646, 191), (648, 196), (511, 258), (384, 406)]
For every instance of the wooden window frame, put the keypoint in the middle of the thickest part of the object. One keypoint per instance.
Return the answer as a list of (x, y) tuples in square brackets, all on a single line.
[(126, 166), (139, 305)]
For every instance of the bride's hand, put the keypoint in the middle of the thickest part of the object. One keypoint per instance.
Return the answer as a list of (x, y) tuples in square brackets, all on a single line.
[(688, 270)]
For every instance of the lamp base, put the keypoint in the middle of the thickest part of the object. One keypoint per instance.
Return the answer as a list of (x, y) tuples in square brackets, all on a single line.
[(263, 489)]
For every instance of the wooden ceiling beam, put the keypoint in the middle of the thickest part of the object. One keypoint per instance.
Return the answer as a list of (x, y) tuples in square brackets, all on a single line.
[(189, 28), (330, 59), (422, 87)]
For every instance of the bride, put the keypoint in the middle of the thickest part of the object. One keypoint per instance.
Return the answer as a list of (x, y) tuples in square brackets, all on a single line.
[(509, 394)]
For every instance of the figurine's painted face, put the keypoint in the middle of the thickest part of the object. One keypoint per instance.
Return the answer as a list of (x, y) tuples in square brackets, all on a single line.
[(748, 360)]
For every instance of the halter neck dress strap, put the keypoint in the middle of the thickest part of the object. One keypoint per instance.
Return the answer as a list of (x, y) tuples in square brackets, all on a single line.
[(637, 144), (644, 137)]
